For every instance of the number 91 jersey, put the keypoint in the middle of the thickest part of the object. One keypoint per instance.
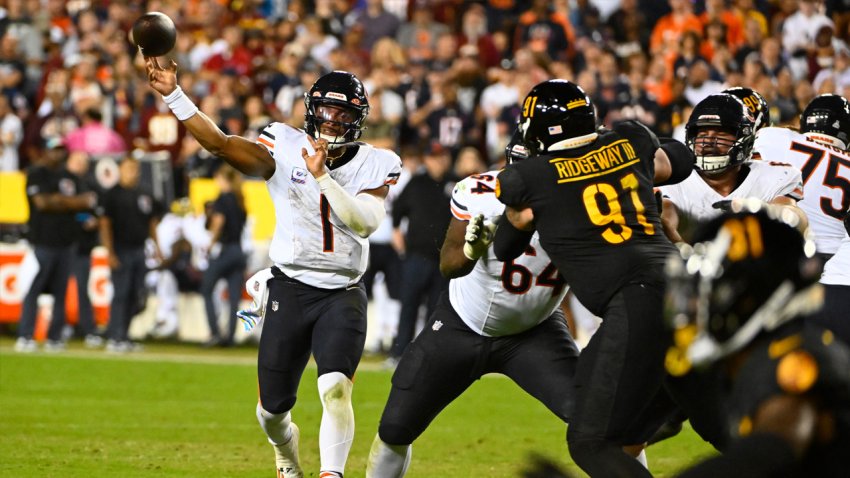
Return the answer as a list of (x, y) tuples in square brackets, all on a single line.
[(594, 208), (310, 243), (501, 298)]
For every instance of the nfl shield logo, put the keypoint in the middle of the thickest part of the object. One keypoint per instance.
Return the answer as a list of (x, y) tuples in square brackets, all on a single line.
[(274, 306)]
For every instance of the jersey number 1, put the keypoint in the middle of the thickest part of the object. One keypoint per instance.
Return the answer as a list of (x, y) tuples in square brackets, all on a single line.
[(614, 215), (327, 227)]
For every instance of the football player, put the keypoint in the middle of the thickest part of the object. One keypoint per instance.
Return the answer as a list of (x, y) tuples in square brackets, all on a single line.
[(738, 300), (819, 150), (721, 133), (589, 195), (498, 317), (328, 191)]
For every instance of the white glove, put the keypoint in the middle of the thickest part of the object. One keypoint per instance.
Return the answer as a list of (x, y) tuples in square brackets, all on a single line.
[(479, 235), (257, 287)]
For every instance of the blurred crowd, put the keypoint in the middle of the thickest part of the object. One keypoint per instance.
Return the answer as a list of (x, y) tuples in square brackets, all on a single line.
[(444, 77), (450, 70)]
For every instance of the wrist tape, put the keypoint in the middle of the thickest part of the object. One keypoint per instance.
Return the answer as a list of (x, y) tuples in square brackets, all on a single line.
[(180, 104)]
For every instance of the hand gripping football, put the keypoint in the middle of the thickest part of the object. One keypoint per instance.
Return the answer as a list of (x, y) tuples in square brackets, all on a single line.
[(154, 33)]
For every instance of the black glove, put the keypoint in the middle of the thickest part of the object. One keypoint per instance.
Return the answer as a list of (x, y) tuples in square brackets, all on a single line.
[(724, 205)]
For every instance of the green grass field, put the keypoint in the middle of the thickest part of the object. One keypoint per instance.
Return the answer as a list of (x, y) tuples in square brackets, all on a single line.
[(179, 411)]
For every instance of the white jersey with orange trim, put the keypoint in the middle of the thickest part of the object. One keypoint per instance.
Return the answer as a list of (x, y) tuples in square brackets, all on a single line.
[(310, 243), (501, 298), (837, 269), (765, 181), (826, 180)]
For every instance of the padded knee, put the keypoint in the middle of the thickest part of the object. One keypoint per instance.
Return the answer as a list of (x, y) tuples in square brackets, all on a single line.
[(395, 435), (276, 425), (335, 391)]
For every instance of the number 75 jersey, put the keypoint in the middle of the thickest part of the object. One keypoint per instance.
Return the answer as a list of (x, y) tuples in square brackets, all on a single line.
[(501, 298), (826, 180)]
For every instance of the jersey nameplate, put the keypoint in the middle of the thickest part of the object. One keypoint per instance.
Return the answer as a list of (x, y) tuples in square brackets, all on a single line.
[(604, 160)]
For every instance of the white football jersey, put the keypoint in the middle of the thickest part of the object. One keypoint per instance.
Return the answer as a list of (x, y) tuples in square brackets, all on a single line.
[(310, 243), (501, 298), (826, 180), (695, 197), (837, 269)]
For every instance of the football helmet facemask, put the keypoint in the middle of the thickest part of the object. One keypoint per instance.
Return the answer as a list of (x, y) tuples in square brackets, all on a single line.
[(342, 90), (754, 102), (556, 115), (749, 271), (515, 150), (721, 111), (826, 119)]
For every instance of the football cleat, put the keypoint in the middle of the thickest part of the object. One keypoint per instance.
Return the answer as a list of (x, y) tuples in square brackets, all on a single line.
[(25, 345), (286, 456), (54, 346)]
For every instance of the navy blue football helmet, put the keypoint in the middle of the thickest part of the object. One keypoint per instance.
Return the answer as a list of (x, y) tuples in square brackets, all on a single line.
[(343, 90)]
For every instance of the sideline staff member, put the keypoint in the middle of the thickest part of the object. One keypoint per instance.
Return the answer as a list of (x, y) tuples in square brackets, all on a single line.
[(53, 197)]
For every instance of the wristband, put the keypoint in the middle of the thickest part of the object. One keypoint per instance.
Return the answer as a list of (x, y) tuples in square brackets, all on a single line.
[(180, 104)]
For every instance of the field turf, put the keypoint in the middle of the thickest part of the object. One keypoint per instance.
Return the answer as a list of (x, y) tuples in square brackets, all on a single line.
[(180, 411)]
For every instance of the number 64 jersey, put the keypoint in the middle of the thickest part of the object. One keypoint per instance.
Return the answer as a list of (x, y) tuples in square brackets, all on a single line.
[(310, 243), (501, 298)]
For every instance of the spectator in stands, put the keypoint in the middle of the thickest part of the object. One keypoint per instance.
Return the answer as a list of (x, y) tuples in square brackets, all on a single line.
[(376, 22), (227, 260), (11, 134), (798, 35), (419, 36), (718, 11), (423, 203), (93, 137), (541, 30), (54, 196), (630, 28), (128, 217), (700, 84), (86, 240), (474, 31), (670, 28)]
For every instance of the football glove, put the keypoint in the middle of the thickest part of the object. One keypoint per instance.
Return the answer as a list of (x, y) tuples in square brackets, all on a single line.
[(479, 235), (258, 289)]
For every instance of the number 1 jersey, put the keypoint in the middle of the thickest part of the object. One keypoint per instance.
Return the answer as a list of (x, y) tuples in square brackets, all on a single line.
[(310, 243)]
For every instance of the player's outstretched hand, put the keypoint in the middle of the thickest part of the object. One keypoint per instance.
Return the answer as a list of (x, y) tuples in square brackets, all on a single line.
[(479, 235), (316, 161), (162, 79)]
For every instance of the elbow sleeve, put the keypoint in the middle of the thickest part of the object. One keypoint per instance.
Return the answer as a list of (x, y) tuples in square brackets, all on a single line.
[(362, 213), (510, 242), (681, 158)]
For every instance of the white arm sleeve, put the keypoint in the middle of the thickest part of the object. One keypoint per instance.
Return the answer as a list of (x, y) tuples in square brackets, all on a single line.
[(362, 213)]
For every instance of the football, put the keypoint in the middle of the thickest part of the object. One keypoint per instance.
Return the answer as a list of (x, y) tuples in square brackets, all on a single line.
[(154, 33)]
